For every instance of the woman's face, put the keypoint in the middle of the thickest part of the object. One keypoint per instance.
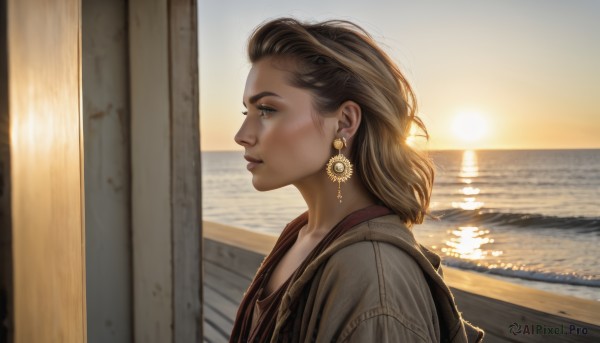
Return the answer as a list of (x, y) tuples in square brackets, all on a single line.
[(281, 135)]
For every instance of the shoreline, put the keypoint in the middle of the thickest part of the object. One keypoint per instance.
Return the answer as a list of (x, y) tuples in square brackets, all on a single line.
[(575, 291)]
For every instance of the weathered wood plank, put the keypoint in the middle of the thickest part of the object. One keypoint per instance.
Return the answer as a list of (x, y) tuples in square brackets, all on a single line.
[(552, 304), (230, 284), (238, 260), (44, 50), (220, 302), (223, 290), (496, 317), (212, 333), (258, 242), (151, 171), (219, 320), (219, 312), (186, 200), (107, 183)]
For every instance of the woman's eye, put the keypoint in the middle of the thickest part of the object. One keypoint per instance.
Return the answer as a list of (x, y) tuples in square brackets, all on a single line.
[(265, 111)]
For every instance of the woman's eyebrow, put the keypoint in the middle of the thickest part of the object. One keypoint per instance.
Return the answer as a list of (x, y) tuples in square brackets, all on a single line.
[(258, 96)]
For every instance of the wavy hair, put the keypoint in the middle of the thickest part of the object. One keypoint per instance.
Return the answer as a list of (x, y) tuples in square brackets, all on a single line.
[(339, 61)]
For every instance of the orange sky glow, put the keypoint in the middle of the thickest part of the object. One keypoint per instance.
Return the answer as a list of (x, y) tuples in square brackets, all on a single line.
[(503, 75)]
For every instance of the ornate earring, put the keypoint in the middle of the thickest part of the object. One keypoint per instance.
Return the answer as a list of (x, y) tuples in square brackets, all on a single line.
[(339, 168)]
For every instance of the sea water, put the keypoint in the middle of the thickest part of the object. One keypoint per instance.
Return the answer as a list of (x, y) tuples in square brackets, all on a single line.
[(527, 216)]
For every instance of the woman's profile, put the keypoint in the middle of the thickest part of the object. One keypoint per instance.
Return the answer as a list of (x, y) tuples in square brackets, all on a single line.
[(330, 113)]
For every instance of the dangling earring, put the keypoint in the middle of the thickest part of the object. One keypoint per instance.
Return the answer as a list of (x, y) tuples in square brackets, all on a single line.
[(339, 168)]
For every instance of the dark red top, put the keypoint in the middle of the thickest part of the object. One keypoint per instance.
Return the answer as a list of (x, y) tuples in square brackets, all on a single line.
[(266, 308)]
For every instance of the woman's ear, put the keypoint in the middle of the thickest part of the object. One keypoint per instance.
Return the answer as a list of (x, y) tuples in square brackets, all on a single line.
[(349, 116)]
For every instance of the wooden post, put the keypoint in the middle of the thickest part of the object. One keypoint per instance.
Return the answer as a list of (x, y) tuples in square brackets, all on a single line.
[(165, 157), (46, 153), (105, 82), (185, 171)]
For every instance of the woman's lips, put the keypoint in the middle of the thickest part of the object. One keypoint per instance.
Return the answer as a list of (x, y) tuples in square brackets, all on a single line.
[(252, 162)]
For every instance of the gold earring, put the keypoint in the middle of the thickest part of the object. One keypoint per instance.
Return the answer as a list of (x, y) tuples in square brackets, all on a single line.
[(339, 168)]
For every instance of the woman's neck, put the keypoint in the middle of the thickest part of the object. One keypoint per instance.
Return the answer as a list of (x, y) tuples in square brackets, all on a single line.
[(324, 209)]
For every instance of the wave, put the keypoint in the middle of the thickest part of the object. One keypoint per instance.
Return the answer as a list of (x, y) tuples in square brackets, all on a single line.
[(531, 275), (490, 216), (530, 184)]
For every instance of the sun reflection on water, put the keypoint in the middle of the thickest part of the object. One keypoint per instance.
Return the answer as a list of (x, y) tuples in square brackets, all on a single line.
[(469, 171), (469, 167), (467, 242), (470, 191)]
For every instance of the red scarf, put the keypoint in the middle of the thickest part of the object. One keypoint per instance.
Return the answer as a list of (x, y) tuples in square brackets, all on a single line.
[(266, 323)]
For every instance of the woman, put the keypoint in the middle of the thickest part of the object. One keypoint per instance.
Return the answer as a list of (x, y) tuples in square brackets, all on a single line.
[(330, 113)]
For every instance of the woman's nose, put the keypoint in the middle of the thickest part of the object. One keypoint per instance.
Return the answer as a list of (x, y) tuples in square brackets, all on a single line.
[(245, 135)]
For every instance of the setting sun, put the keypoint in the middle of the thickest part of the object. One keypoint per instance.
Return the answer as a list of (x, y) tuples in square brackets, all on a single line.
[(469, 126)]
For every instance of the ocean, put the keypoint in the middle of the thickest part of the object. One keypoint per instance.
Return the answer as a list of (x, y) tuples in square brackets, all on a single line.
[(530, 217)]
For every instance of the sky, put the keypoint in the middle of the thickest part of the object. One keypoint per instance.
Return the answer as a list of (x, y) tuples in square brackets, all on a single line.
[(507, 74)]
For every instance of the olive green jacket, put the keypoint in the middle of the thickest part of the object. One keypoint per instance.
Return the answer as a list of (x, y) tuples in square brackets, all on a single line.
[(375, 283)]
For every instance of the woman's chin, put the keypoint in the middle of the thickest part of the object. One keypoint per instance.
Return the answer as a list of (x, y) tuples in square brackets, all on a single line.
[(262, 186)]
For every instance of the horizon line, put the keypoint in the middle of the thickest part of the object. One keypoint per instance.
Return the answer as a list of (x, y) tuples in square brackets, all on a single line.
[(448, 149)]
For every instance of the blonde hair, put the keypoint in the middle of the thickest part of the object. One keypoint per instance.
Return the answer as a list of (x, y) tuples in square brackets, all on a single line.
[(339, 61)]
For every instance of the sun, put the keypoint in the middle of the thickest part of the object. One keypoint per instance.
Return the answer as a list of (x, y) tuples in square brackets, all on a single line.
[(469, 126)]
